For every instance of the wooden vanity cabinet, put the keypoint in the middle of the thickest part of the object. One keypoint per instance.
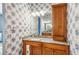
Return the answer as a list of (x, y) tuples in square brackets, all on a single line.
[(59, 13), (42, 48), (55, 49), (35, 47)]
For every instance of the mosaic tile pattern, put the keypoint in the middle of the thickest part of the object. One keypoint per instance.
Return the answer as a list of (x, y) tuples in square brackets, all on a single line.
[(18, 25), (73, 27)]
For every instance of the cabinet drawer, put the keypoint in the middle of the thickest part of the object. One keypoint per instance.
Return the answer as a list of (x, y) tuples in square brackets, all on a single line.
[(59, 52), (33, 43)]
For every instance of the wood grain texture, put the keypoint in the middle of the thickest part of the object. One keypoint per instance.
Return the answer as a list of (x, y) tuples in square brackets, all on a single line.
[(60, 21), (42, 48), (36, 50), (55, 49)]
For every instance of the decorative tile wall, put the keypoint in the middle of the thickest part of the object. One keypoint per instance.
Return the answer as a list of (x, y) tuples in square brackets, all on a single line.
[(17, 25), (73, 27), (37, 7)]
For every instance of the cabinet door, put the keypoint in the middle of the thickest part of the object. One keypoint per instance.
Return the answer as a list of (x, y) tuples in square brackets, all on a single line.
[(59, 21), (47, 51), (35, 47), (55, 49), (35, 50)]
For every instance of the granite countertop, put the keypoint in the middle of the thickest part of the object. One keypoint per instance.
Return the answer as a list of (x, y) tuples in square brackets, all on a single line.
[(44, 39)]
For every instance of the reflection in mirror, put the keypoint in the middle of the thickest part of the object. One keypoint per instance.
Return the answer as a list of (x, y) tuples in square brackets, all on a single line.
[(46, 23), (48, 27)]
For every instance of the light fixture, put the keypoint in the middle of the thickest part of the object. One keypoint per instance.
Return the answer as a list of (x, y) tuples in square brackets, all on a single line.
[(42, 12), (37, 13), (33, 14)]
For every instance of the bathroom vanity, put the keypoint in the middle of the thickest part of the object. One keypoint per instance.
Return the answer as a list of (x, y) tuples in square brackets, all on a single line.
[(54, 43), (44, 46)]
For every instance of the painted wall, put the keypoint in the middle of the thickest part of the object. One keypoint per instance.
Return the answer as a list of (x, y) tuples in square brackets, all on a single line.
[(17, 25)]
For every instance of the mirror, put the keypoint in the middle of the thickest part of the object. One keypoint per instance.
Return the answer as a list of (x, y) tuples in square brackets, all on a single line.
[(42, 23), (48, 27), (46, 23)]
